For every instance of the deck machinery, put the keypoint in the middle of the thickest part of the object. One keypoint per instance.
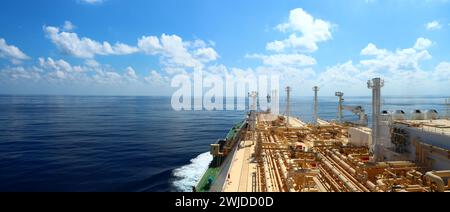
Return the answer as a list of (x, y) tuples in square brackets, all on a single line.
[(311, 158), (280, 153)]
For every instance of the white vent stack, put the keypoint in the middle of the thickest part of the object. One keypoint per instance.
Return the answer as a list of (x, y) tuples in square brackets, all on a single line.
[(316, 104), (376, 84), (386, 116), (288, 104), (431, 114), (340, 106), (417, 115), (398, 115)]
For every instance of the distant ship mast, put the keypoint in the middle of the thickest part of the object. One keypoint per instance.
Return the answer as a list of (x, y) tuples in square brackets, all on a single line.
[(288, 105), (316, 104), (340, 95)]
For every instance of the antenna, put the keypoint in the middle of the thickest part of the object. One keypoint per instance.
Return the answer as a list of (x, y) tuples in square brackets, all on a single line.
[(340, 106), (376, 84), (316, 104), (288, 104)]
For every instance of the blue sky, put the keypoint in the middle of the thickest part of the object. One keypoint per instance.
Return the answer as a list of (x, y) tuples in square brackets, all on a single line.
[(135, 47)]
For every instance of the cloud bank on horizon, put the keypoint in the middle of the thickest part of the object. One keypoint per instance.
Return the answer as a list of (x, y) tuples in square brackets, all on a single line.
[(78, 63)]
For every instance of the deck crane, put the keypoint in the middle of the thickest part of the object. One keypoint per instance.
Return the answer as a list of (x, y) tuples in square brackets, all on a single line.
[(360, 112)]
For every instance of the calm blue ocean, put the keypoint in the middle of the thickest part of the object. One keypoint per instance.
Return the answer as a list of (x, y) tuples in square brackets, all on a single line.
[(74, 143)]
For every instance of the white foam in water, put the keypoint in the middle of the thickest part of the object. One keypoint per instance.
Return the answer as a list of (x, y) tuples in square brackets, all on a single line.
[(188, 176)]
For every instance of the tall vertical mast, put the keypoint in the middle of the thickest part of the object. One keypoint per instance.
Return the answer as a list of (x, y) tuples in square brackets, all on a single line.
[(376, 84), (288, 104), (316, 104), (340, 106)]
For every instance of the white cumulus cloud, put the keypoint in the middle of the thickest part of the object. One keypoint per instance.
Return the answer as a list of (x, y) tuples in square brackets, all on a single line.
[(175, 52), (130, 73), (423, 43), (59, 65), (11, 53), (294, 60), (206, 54), (68, 26), (433, 25), (306, 30), (400, 69), (156, 79), (70, 43)]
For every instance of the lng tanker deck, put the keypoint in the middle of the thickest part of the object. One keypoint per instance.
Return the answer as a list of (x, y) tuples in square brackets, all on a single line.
[(279, 153)]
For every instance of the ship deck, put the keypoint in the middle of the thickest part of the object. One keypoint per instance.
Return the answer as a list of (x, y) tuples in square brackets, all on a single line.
[(243, 167), (299, 157), (440, 126)]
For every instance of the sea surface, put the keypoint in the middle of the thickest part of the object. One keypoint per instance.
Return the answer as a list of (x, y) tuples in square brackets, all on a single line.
[(138, 144)]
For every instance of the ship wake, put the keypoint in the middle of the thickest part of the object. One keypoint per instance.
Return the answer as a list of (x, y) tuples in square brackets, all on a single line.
[(189, 175)]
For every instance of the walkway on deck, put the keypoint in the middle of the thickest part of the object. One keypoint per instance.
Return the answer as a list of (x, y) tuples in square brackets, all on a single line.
[(241, 169)]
